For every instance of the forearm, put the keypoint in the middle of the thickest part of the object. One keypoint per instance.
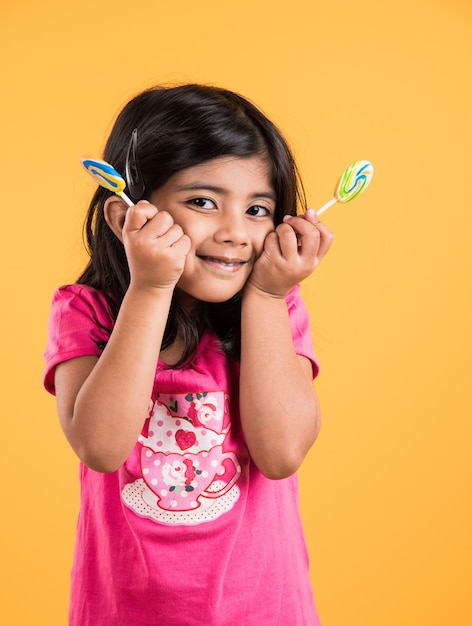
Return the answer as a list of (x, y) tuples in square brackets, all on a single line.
[(279, 407), (110, 408)]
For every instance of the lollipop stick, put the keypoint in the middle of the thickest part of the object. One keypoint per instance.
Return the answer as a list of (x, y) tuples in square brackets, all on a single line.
[(326, 206), (125, 198)]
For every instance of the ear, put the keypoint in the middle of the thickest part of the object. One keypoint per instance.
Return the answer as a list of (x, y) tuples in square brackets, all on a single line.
[(114, 211)]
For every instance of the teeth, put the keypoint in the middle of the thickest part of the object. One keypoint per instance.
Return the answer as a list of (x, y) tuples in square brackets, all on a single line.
[(221, 262)]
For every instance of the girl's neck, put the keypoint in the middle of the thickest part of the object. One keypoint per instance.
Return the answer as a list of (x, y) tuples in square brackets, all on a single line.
[(188, 303), (190, 308), (174, 353)]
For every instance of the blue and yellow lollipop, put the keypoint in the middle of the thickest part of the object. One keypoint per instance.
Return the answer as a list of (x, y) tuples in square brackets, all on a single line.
[(106, 176)]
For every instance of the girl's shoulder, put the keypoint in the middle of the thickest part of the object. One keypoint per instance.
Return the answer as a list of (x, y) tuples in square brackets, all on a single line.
[(80, 323), (83, 293), (81, 301)]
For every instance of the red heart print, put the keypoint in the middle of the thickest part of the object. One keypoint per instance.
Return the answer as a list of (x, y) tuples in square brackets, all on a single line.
[(185, 439)]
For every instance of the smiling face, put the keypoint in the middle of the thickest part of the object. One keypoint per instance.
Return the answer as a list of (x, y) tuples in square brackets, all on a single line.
[(226, 206)]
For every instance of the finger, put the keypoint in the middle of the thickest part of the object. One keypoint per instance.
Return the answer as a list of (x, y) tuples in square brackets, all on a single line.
[(307, 234), (158, 225), (312, 216), (288, 240), (138, 215), (326, 236), (326, 239), (271, 244), (171, 236), (182, 245), (302, 224)]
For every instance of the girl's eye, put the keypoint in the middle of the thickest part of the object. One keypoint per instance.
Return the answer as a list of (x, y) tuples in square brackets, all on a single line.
[(203, 203), (258, 211)]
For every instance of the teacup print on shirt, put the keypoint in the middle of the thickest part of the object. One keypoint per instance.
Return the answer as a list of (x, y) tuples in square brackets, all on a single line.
[(188, 475)]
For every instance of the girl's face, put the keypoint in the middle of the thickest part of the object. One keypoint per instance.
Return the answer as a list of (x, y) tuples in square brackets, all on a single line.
[(226, 206)]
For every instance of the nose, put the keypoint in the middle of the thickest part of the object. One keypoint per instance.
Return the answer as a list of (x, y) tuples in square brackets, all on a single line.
[(232, 228)]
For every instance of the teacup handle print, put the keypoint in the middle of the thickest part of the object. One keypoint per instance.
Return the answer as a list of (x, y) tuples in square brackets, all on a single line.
[(220, 477)]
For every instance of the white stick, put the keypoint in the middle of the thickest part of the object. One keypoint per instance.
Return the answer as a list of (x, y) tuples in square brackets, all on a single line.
[(122, 194), (326, 206)]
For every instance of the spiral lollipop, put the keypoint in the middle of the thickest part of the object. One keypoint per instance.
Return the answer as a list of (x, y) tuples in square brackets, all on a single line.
[(353, 181), (106, 176)]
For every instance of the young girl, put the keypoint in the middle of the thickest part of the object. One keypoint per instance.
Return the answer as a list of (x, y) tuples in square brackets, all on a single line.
[(183, 369)]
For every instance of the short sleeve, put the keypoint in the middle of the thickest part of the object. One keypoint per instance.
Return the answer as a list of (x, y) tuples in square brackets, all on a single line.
[(300, 326), (80, 323)]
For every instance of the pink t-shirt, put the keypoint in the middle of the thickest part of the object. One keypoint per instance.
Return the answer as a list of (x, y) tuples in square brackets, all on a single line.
[(188, 532)]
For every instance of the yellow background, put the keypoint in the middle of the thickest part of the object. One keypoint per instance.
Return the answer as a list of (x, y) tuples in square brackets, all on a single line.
[(386, 491)]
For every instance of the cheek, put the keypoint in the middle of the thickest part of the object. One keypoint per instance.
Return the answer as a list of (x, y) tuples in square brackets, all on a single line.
[(196, 230), (258, 242)]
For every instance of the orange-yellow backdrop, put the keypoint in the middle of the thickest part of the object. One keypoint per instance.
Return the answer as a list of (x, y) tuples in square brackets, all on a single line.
[(385, 492)]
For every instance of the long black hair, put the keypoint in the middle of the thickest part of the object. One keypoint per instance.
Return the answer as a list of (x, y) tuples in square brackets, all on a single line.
[(180, 127)]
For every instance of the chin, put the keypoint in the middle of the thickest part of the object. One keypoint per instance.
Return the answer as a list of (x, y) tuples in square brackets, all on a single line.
[(220, 298), (209, 296)]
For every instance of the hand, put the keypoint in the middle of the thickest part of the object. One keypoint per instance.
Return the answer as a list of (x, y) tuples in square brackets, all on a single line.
[(291, 253), (156, 247)]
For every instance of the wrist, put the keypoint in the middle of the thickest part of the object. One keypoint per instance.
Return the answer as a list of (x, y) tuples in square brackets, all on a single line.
[(143, 295), (260, 296), (259, 291)]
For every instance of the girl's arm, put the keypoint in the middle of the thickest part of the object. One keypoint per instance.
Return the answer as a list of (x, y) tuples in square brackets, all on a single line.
[(102, 403), (279, 406)]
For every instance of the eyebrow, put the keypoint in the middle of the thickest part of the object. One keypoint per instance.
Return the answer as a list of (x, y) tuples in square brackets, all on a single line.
[(220, 190)]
